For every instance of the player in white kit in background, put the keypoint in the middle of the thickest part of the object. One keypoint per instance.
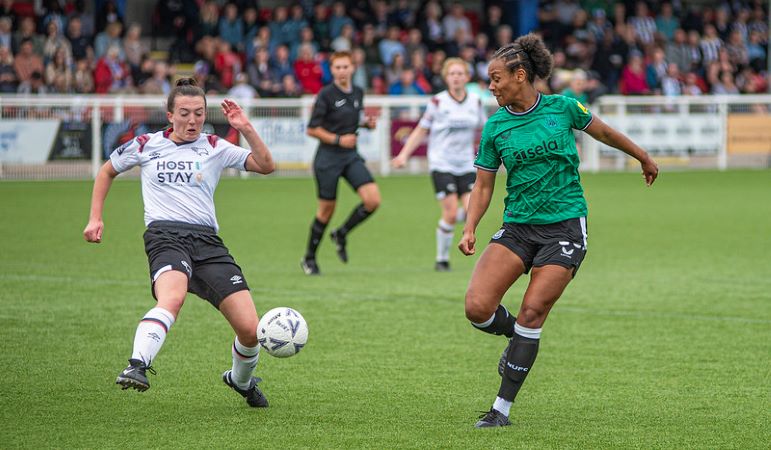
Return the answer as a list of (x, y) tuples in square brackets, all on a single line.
[(180, 169), (452, 121)]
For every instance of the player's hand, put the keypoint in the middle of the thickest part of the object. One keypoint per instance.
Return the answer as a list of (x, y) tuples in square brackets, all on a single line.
[(93, 231), (399, 161), (467, 243), (650, 170), (236, 116), (348, 140)]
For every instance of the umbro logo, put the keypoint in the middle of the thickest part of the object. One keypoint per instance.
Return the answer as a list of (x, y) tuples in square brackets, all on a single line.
[(154, 155), (236, 279), (340, 103)]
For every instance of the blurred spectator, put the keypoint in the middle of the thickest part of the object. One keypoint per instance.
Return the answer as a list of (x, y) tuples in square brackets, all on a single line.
[(79, 43), (251, 28), (725, 84), (759, 22), (751, 82), (379, 17), (737, 51), (205, 78), (656, 70), (390, 46), (83, 80), (393, 72), (406, 85), (492, 20), (261, 74), (694, 48), (338, 19), (633, 80), (710, 44), (53, 42), (294, 27), (27, 31), (360, 11), (281, 64), (691, 86), (756, 52), (671, 86), (290, 87), (666, 22), (306, 38), (504, 36), (226, 63), (677, 51), (54, 13), (8, 80), (144, 72), (231, 29), (109, 14), (721, 23), (414, 42), (261, 40), (7, 10), (208, 20), (59, 71), (643, 24), (421, 71), (598, 26), (133, 47), (369, 43), (108, 38), (6, 31), (361, 76), (322, 25), (34, 85), (431, 27), (577, 87), (112, 75), (181, 49), (454, 21), (159, 83), (279, 26), (27, 61), (242, 90), (402, 15), (344, 41), (307, 70), (437, 81)]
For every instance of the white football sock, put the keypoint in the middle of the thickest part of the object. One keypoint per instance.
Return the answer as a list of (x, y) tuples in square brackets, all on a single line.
[(502, 406), (244, 361), (150, 334), (444, 235)]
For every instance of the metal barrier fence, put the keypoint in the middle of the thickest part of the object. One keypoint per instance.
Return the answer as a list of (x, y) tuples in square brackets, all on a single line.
[(50, 137)]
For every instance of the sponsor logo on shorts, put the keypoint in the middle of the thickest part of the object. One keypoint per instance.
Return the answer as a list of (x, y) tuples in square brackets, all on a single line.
[(236, 279), (498, 234), (567, 252), (187, 267)]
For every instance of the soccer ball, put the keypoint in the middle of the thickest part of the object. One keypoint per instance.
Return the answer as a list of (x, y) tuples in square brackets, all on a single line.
[(282, 332)]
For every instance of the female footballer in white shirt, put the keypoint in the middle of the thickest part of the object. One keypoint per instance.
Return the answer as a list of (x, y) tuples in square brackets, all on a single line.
[(452, 121), (180, 169)]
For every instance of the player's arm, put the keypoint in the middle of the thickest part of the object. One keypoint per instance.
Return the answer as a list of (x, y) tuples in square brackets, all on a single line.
[(616, 139), (328, 137), (413, 141), (95, 226), (477, 206), (260, 160)]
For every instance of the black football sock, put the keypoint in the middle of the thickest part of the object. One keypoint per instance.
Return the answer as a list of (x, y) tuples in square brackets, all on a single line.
[(501, 323), (317, 231), (358, 215), (519, 361)]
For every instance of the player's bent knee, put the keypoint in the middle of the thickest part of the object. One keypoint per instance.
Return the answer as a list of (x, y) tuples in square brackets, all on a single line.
[(531, 317), (478, 311)]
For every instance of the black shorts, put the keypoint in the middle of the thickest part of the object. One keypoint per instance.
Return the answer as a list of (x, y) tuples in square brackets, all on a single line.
[(329, 166), (446, 183), (562, 243), (198, 252)]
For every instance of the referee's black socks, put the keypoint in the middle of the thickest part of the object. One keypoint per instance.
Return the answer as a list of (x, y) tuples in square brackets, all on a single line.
[(317, 231), (358, 215), (500, 323)]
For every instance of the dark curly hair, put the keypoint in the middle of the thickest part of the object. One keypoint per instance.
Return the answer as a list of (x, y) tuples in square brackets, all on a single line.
[(187, 87), (530, 53)]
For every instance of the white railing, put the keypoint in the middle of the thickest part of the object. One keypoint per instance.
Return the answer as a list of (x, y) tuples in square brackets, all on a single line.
[(682, 131)]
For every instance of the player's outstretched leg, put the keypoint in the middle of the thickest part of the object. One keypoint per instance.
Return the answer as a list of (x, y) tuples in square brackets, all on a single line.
[(240, 378), (148, 339)]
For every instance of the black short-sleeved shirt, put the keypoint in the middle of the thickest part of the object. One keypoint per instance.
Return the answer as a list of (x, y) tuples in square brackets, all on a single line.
[(338, 112)]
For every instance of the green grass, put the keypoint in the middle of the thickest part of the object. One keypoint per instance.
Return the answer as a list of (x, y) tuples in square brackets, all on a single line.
[(662, 341)]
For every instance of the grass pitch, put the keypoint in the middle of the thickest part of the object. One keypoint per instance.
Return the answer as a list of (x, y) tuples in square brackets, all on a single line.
[(662, 341)]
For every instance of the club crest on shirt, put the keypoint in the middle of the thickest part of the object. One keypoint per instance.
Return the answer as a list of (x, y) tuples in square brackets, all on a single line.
[(200, 151), (551, 121), (355, 103)]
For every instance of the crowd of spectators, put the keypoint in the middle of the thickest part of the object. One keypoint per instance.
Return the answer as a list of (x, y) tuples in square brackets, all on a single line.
[(240, 49)]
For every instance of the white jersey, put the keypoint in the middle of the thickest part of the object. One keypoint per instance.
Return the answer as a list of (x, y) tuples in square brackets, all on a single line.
[(178, 180), (453, 128)]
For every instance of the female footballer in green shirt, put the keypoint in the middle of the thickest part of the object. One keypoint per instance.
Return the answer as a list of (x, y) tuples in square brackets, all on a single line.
[(544, 222)]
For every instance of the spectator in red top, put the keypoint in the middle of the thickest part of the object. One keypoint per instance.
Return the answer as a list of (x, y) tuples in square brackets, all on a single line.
[(112, 75), (633, 77), (307, 70), (226, 63)]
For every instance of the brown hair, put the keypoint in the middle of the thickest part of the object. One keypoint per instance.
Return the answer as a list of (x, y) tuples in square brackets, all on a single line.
[(342, 54), (187, 87), (530, 53)]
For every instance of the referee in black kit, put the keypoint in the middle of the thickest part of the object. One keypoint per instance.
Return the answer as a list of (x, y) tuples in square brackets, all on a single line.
[(336, 117)]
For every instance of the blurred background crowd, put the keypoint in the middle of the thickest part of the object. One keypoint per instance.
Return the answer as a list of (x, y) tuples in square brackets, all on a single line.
[(246, 48)]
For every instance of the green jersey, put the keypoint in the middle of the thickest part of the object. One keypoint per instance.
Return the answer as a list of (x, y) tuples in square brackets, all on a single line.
[(538, 149)]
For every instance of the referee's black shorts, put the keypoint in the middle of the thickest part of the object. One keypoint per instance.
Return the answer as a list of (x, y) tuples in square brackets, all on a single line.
[(330, 165), (562, 243), (197, 251)]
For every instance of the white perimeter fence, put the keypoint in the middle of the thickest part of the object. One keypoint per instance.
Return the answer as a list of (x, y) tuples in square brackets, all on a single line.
[(54, 137)]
